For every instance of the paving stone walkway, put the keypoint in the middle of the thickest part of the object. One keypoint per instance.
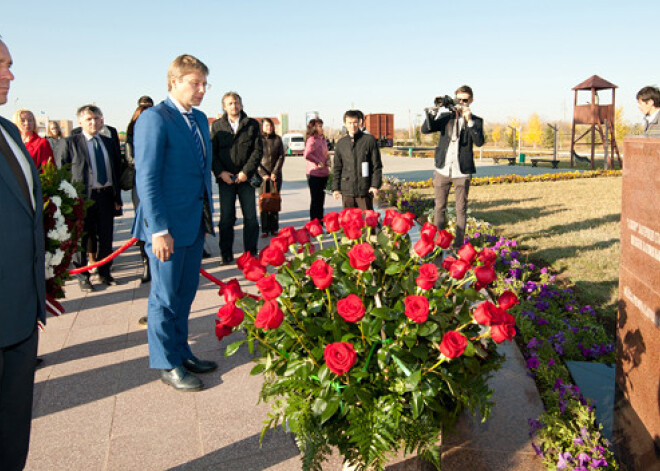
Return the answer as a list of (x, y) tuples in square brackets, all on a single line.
[(97, 405)]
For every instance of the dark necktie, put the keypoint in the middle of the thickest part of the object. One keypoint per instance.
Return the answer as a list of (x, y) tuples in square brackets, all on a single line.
[(196, 138), (101, 173), (15, 166)]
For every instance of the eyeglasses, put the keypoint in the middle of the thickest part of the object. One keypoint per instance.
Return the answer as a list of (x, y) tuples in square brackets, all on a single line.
[(463, 100)]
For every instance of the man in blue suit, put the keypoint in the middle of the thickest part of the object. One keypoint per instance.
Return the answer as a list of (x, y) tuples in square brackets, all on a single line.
[(22, 282), (173, 180)]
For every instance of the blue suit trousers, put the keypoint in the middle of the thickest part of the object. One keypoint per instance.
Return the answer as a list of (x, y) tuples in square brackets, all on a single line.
[(173, 287)]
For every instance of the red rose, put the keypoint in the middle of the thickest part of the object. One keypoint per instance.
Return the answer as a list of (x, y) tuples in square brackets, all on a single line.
[(390, 214), (487, 256), (331, 221), (417, 308), (485, 313), (448, 262), (353, 229), (401, 224), (502, 332), (230, 315), (301, 236), (271, 255), (424, 246), (231, 291), (254, 270), (458, 269), (485, 274), (361, 256), (371, 218), (280, 243), (243, 260), (428, 231), (310, 248), (467, 253), (314, 228), (269, 287), (444, 239), (320, 273), (428, 275), (502, 317), (270, 316), (453, 344), (288, 233), (507, 300), (351, 308), (351, 215), (221, 330), (340, 357)]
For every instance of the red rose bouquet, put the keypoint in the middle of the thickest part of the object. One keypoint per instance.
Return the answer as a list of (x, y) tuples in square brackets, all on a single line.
[(367, 343)]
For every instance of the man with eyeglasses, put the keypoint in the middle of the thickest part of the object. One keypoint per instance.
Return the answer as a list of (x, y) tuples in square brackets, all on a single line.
[(459, 130), (172, 149)]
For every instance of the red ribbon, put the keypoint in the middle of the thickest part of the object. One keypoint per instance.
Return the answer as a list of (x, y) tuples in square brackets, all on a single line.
[(106, 259)]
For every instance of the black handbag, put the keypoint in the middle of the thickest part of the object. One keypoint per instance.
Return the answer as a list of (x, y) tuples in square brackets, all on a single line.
[(127, 177)]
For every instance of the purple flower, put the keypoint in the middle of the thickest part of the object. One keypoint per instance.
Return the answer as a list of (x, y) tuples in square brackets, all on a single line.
[(578, 441), (537, 450), (562, 406), (551, 362), (542, 305), (533, 343), (544, 270), (583, 458), (541, 321), (564, 459), (569, 307), (532, 362), (597, 463), (558, 348)]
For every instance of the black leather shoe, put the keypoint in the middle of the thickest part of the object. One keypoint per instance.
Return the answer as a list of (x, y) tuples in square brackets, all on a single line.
[(195, 365), (108, 280), (227, 261), (146, 271), (181, 380), (205, 254), (86, 285)]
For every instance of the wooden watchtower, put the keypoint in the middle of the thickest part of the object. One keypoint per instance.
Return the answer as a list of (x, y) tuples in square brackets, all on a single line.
[(596, 117)]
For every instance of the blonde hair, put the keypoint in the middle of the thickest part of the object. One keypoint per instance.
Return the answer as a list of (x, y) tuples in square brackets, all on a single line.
[(183, 65), (16, 119)]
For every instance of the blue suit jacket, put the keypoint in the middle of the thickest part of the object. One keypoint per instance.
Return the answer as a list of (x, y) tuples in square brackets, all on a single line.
[(170, 181), (22, 240)]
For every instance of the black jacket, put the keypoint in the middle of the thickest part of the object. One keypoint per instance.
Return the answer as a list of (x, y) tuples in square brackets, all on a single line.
[(469, 136), (236, 152), (347, 165), (273, 156)]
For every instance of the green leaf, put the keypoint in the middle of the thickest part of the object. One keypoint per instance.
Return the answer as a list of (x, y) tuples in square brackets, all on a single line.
[(469, 350), (393, 269), (257, 369), (417, 404), (233, 348), (403, 367), (413, 380), (319, 406), (330, 409)]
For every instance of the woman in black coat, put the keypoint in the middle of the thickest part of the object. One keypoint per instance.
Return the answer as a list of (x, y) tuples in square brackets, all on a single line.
[(270, 169)]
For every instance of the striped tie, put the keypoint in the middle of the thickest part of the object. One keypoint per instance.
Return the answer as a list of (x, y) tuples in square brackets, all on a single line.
[(196, 137)]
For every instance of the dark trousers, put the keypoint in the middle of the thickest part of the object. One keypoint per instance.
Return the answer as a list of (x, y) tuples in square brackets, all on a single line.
[(441, 187), (99, 225), (362, 202), (317, 196), (270, 220), (246, 197), (17, 363)]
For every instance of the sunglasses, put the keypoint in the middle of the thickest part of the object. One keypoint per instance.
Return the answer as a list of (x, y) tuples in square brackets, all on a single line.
[(463, 100)]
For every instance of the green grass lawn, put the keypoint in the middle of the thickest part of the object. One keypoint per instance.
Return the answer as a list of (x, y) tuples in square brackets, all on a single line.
[(572, 226)]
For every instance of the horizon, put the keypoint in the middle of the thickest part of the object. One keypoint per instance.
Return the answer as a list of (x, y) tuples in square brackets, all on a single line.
[(294, 58)]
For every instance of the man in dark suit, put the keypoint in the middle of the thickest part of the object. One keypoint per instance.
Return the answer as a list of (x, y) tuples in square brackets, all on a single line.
[(95, 162), (173, 180), (22, 270)]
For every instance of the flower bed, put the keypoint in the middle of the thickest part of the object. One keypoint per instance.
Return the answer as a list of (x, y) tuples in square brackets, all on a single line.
[(364, 344), (395, 186)]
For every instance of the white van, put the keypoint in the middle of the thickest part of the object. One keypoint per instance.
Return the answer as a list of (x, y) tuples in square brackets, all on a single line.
[(294, 143)]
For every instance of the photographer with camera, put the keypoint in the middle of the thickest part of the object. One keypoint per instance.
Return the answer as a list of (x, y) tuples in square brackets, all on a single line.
[(454, 162)]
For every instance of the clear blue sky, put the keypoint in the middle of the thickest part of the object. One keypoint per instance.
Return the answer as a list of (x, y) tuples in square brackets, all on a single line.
[(294, 56)]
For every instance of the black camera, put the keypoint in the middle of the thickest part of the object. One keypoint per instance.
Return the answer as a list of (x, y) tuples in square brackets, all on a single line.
[(446, 102)]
